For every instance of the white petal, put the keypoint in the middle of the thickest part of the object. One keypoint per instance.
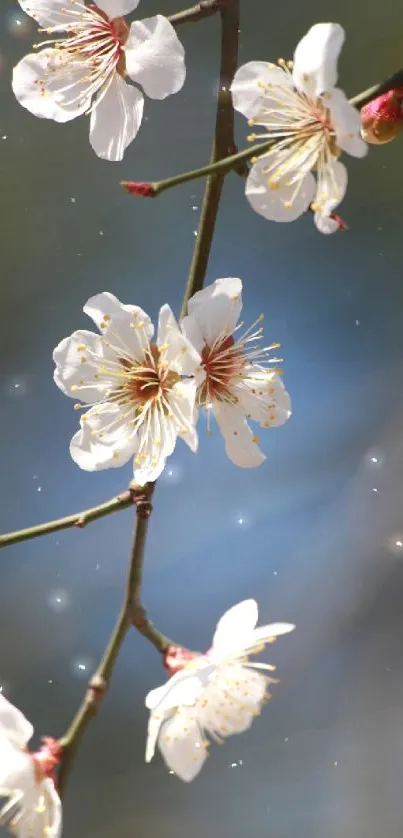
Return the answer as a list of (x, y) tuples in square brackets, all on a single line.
[(40, 807), (13, 724), (182, 689), (155, 57), (285, 203), (117, 8), (332, 185), (325, 224), (153, 728), (54, 810), (182, 401), (157, 441), (216, 309), (16, 770), (231, 700), (116, 119), (48, 12), (96, 447), (180, 354), (234, 628), (240, 443), (128, 328), (182, 747), (315, 58), (266, 633), (249, 91), (346, 122), (49, 88), (264, 398), (76, 359)]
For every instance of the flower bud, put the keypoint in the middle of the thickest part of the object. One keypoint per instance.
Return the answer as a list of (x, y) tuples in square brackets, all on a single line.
[(382, 119)]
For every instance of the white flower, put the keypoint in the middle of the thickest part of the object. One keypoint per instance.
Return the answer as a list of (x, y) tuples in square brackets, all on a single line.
[(33, 808), (310, 121), (86, 71), (233, 381), (216, 694), (138, 402)]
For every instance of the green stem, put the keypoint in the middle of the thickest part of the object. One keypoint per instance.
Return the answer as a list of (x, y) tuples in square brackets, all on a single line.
[(222, 165), (205, 8), (78, 519), (215, 167)]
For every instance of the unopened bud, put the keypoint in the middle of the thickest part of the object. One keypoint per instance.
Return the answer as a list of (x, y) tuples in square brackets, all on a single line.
[(382, 119), (133, 187)]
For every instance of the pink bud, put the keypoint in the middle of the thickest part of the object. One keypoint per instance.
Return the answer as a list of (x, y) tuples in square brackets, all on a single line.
[(133, 187), (382, 119)]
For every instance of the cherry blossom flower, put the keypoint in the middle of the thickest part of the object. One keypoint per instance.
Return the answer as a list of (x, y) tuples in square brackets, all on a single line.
[(216, 694), (138, 402), (234, 381), (86, 71), (310, 121), (33, 808)]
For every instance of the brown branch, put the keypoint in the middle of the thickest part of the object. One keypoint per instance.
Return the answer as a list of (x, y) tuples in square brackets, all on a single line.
[(131, 611), (223, 145), (78, 519), (205, 8)]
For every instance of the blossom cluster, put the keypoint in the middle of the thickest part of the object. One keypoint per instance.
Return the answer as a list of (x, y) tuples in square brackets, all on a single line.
[(94, 62), (208, 697), (139, 393)]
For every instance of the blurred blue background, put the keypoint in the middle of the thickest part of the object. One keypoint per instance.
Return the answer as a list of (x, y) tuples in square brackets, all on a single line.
[(315, 534)]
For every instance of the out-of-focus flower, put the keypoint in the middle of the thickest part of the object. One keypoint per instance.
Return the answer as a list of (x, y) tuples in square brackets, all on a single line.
[(310, 122), (382, 119), (216, 694), (84, 67), (235, 380), (139, 403), (33, 808)]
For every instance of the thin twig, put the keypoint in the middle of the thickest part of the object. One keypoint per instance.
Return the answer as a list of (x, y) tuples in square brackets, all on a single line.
[(371, 93), (99, 683), (238, 161), (78, 519), (205, 8)]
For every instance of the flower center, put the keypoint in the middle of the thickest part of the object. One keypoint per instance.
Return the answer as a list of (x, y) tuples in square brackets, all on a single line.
[(145, 382), (222, 363), (93, 49)]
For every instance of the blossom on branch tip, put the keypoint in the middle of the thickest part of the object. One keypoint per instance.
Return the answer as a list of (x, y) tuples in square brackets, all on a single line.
[(85, 65), (138, 400), (236, 379), (310, 121), (32, 808), (382, 119), (214, 695)]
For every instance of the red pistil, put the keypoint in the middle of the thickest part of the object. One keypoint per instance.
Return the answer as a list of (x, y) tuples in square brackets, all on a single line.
[(220, 365), (342, 224)]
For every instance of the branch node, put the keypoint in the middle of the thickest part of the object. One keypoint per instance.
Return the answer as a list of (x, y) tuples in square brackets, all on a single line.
[(141, 496)]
